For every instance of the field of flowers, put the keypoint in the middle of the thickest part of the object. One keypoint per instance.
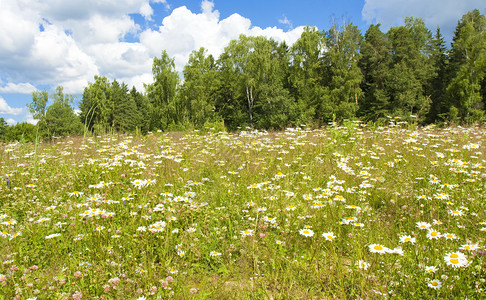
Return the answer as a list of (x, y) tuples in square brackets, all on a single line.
[(339, 212)]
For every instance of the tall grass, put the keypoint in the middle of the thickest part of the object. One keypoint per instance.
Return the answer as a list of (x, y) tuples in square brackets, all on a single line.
[(340, 212)]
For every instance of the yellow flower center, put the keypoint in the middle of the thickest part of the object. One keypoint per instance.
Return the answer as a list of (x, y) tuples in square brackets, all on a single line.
[(408, 239), (435, 283), (378, 248), (453, 255), (454, 261), (433, 234)]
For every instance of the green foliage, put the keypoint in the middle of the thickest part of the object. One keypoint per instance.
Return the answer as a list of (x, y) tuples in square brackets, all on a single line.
[(20, 132), (345, 76), (109, 106), (162, 93), (406, 73), (57, 119), (468, 66), (375, 64), (3, 128), (199, 88)]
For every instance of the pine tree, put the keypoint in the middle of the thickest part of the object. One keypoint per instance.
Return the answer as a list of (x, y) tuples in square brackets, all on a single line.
[(468, 67), (375, 64)]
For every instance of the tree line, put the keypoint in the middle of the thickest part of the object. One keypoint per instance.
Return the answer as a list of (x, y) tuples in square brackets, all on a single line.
[(407, 72)]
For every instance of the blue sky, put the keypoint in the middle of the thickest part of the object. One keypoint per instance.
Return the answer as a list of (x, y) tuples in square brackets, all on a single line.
[(46, 43)]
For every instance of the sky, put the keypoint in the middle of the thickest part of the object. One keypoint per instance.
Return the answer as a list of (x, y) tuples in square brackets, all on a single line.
[(47, 43)]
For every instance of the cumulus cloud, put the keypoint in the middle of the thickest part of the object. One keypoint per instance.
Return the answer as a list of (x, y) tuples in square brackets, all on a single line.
[(30, 119), (183, 31), (11, 121), (442, 13), (17, 88), (57, 42), (5, 109)]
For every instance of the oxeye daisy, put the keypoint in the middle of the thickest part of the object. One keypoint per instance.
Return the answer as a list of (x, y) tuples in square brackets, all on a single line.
[(456, 259), (435, 284), (469, 247), (246, 232), (214, 254), (423, 225), (362, 264), (376, 248), (407, 239), (456, 212), (433, 234), (290, 208), (306, 232), (449, 236), (431, 269), (329, 236)]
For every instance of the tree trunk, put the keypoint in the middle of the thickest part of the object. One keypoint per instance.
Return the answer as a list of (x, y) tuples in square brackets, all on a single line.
[(249, 97)]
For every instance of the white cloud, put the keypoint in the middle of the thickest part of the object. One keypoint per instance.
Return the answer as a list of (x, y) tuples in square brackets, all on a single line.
[(30, 119), (58, 42), (5, 109), (164, 2), (146, 11), (11, 121), (183, 31), (17, 88), (286, 21), (442, 13)]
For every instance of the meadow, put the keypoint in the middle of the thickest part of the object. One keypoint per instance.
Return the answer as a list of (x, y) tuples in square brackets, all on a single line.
[(342, 212)]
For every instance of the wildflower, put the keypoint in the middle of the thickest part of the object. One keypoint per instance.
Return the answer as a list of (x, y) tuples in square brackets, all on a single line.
[(271, 220), (435, 284), (407, 239), (437, 222), (78, 274), (433, 234), (246, 232), (423, 225), (306, 232), (290, 208), (348, 220), (456, 212), (449, 236), (139, 183), (362, 264), (469, 247), (376, 248), (431, 269), (214, 254), (77, 295), (397, 250), (52, 236), (456, 259), (76, 194), (329, 236)]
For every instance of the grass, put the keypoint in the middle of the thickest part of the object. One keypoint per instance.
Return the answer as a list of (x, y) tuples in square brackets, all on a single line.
[(333, 213)]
